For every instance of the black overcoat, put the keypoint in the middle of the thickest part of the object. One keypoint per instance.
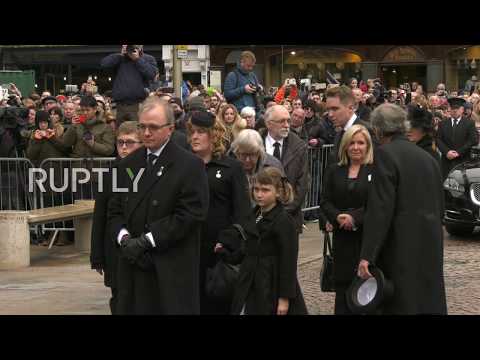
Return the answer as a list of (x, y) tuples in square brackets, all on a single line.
[(402, 231), (344, 196), (171, 203), (269, 270), (104, 253), (460, 140), (229, 204)]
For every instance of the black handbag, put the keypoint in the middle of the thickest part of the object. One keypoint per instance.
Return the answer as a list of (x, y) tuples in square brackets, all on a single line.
[(222, 279), (327, 282)]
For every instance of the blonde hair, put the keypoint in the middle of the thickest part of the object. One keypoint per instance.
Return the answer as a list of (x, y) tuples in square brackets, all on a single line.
[(152, 102), (272, 176), (248, 55), (234, 129), (216, 135), (347, 139), (128, 128)]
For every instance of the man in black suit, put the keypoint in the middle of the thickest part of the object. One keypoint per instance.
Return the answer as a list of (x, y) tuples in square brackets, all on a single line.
[(287, 147), (455, 136), (157, 225), (341, 111)]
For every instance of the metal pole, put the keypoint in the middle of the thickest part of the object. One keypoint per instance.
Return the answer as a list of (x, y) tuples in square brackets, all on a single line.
[(281, 75), (177, 72)]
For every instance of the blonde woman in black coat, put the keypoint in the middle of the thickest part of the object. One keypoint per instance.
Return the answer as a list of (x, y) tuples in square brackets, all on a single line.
[(343, 203)]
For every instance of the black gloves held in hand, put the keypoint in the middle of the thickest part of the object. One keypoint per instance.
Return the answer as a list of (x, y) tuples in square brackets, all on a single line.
[(133, 248)]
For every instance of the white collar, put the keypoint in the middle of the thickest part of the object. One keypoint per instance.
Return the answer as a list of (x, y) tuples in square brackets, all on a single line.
[(350, 122), (270, 140), (159, 151)]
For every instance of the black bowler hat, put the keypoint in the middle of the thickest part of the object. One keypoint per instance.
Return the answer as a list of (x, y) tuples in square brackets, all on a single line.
[(203, 119), (456, 102), (366, 296)]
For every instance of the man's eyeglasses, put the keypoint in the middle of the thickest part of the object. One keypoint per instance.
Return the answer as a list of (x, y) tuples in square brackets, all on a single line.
[(127, 143), (151, 128)]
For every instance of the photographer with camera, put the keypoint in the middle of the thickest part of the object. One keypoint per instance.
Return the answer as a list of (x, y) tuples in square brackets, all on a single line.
[(242, 86), (134, 70)]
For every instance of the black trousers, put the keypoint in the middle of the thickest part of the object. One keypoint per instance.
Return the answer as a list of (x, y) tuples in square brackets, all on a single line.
[(341, 307)]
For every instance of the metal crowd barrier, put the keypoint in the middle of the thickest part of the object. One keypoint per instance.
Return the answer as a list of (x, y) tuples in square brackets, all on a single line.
[(63, 169), (317, 159), (14, 194)]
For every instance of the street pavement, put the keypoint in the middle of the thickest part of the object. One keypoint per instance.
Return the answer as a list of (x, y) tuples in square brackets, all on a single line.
[(60, 281)]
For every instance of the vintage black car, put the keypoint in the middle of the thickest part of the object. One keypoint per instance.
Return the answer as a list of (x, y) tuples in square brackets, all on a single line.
[(462, 196)]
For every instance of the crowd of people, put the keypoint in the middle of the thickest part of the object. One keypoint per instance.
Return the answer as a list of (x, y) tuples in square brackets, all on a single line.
[(227, 176)]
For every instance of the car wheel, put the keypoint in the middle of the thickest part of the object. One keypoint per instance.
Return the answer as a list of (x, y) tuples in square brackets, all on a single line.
[(459, 230)]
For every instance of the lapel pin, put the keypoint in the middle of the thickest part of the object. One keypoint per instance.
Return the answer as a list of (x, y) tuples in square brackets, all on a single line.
[(219, 174), (160, 173)]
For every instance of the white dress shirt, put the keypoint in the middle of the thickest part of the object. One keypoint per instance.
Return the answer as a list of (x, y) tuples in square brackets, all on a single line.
[(457, 120), (269, 148), (124, 231), (350, 122)]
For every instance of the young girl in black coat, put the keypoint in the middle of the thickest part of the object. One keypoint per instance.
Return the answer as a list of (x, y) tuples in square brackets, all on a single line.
[(268, 282)]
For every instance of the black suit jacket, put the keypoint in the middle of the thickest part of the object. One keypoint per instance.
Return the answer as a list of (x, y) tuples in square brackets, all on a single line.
[(461, 140), (171, 202)]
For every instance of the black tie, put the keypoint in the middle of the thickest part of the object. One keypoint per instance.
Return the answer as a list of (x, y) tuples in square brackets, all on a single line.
[(151, 160), (276, 152)]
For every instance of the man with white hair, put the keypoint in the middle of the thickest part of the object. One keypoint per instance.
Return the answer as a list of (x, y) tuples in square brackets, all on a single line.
[(402, 230), (248, 113), (292, 152)]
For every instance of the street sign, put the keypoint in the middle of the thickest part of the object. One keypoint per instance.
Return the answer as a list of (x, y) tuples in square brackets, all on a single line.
[(182, 54), (182, 51)]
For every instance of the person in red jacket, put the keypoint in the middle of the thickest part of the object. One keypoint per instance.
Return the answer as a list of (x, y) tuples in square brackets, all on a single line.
[(288, 91)]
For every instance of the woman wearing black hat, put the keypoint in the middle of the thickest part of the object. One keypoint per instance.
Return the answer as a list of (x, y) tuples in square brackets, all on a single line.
[(421, 130), (229, 202), (343, 201)]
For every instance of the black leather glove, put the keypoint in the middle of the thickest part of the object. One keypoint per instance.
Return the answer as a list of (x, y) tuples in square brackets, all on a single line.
[(133, 248)]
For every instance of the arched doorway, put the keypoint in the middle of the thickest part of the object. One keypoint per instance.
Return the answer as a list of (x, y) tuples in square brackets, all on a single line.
[(403, 64)]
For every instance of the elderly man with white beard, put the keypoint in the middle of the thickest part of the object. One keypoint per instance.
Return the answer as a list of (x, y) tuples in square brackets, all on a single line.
[(292, 152)]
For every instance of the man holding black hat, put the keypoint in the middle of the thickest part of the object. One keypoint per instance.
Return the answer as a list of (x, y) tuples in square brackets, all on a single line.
[(455, 136), (402, 231), (157, 226)]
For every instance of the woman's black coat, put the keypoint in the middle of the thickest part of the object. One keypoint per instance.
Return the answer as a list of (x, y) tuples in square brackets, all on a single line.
[(229, 204), (342, 196), (269, 270)]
